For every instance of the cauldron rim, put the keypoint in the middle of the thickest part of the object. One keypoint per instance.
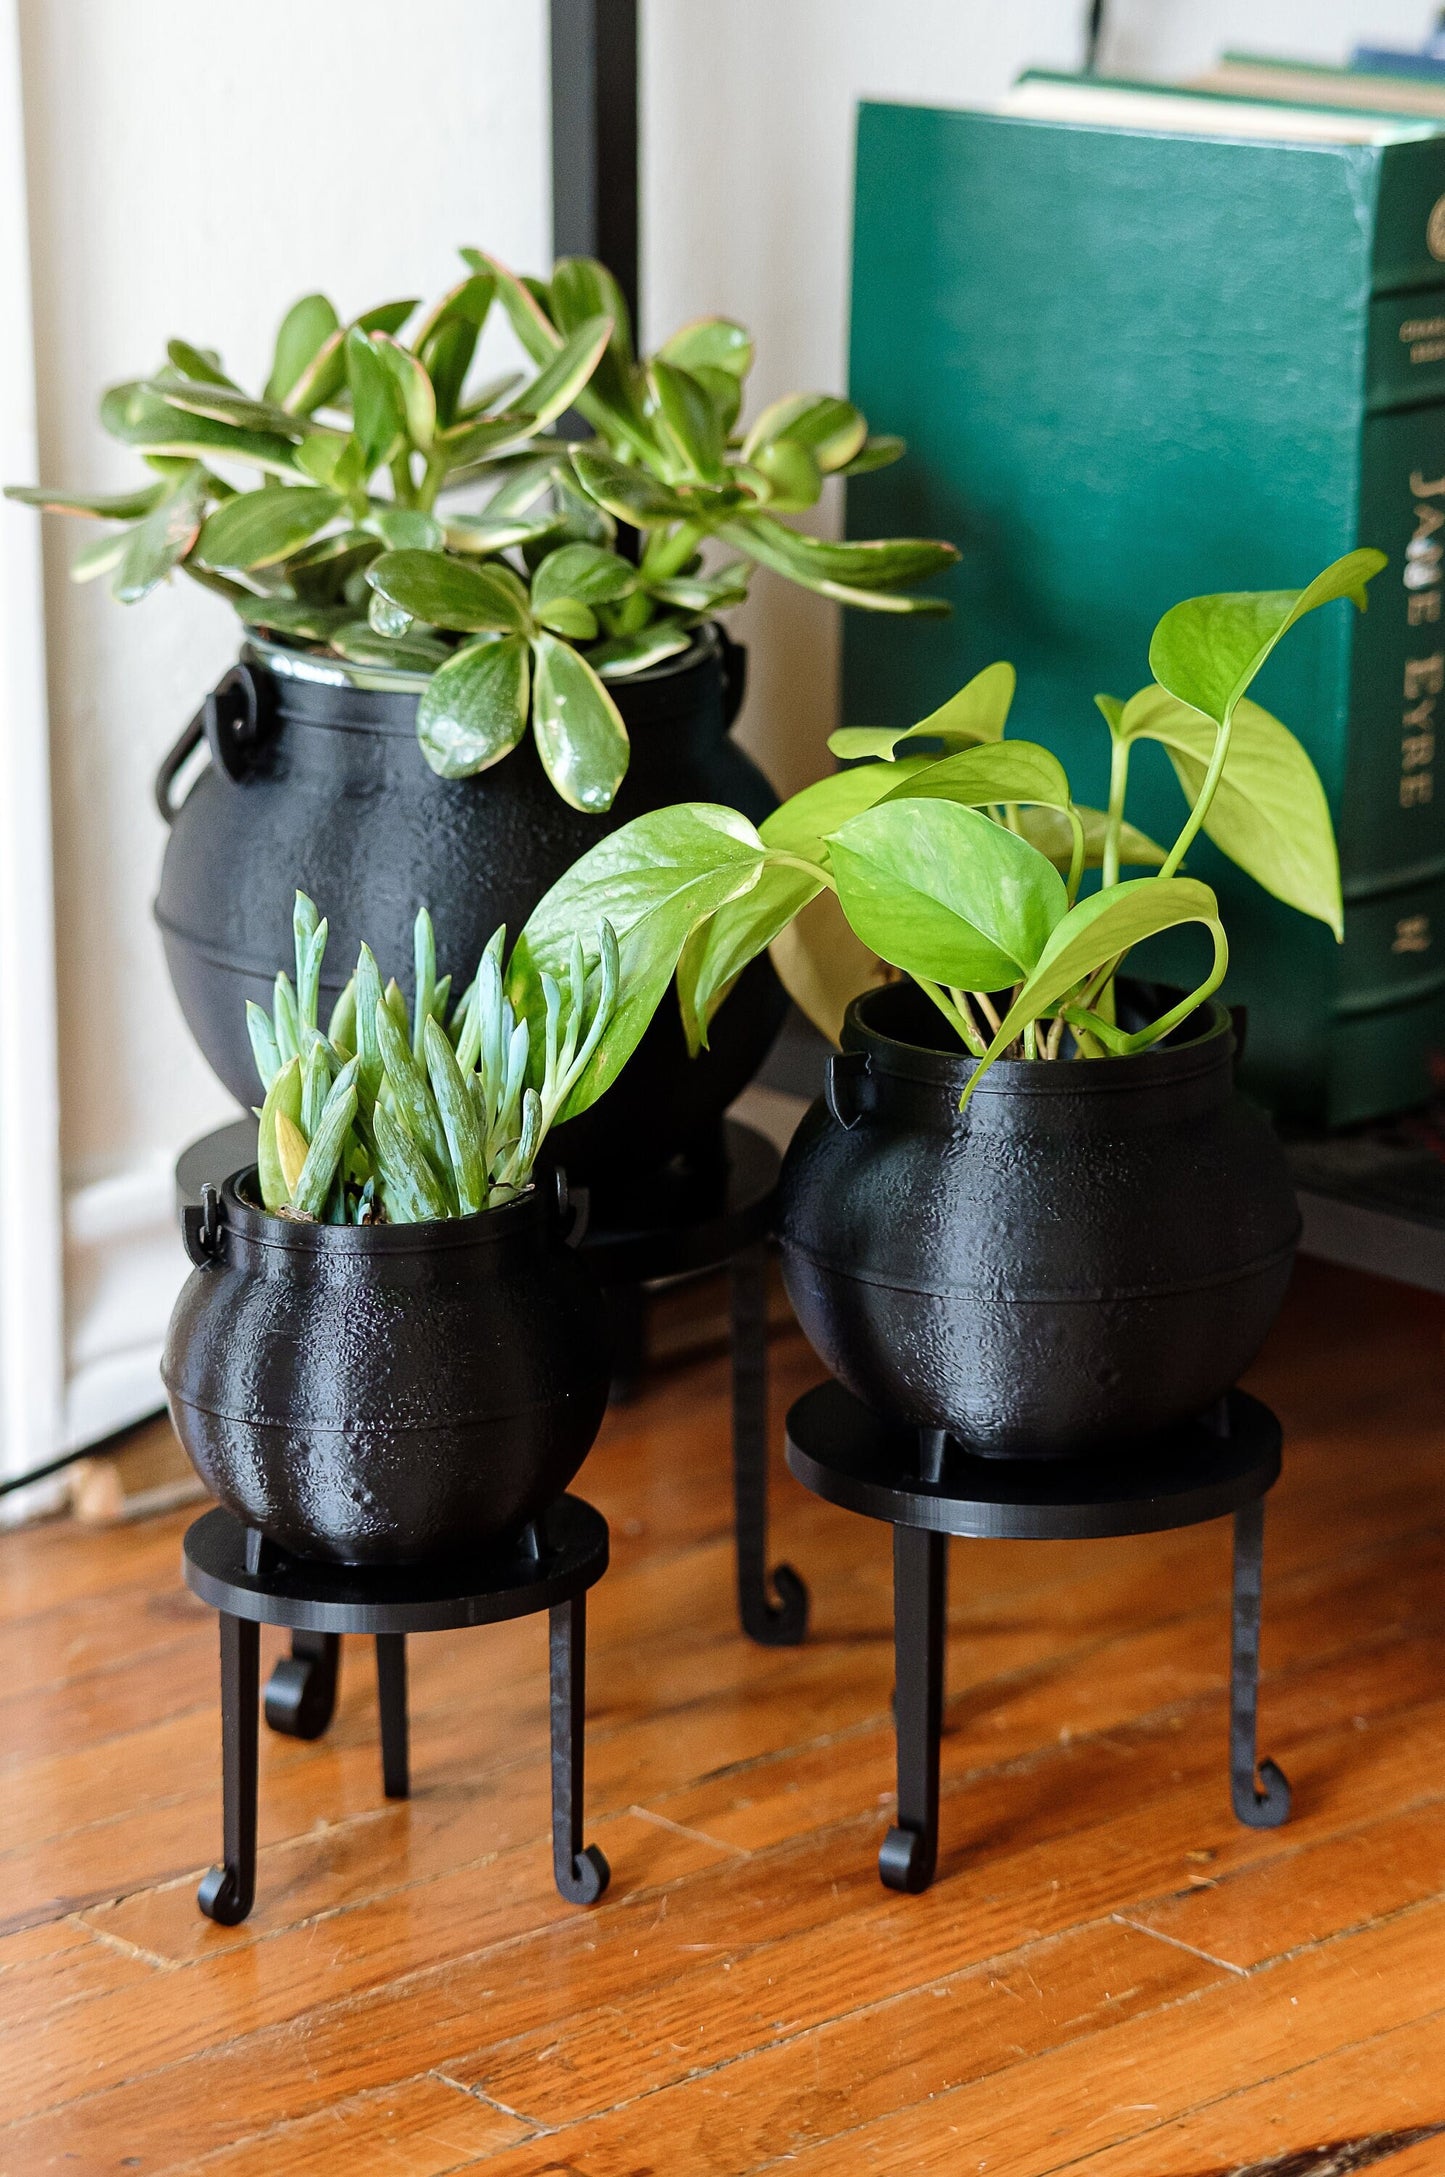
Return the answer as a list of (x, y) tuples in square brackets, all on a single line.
[(296, 1235), (1200, 1044)]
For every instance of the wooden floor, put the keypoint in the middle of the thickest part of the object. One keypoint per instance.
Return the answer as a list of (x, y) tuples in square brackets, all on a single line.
[(1108, 1978)]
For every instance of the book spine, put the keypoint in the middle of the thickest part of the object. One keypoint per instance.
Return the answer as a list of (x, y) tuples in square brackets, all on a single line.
[(1392, 833)]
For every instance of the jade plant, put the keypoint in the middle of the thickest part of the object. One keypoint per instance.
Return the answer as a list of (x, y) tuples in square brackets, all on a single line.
[(410, 520), (397, 1115), (959, 857)]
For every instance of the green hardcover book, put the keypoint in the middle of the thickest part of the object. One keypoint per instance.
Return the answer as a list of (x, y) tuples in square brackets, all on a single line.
[(1145, 346)]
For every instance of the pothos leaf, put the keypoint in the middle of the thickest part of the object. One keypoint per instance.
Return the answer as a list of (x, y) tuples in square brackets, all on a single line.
[(979, 712)]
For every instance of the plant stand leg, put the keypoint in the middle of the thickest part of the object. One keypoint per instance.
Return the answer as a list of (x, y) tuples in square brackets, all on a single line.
[(391, 1700), (301, 1691), (580, 1871), (909, 1852), (229, 1891), (1266, 1808), (780, 1624)]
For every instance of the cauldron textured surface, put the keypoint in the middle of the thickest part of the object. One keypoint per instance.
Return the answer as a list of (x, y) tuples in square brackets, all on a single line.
[(336, 798), (1093, 1251), (381, 1394)]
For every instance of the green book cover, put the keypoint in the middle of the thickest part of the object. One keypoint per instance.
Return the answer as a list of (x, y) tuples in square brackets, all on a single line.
[(1135, 365)]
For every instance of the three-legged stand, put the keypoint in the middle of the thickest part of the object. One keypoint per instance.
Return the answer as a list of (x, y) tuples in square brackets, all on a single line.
[(1223, 1464), (549, 1572)]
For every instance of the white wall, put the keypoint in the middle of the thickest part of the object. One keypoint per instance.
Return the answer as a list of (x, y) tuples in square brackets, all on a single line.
[(193, 165)]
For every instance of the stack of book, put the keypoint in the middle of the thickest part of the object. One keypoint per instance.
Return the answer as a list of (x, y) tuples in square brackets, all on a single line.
[(1149, 342)]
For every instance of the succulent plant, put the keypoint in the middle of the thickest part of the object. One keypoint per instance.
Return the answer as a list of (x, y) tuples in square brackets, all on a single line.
[(398, 1116), (517, 601)]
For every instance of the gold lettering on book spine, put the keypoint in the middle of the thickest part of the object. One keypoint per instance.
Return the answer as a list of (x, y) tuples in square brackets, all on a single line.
[(1424, 676)]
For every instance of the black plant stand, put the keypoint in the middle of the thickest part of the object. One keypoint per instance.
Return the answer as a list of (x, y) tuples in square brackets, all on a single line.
[(252, 1584), (928, 1488), (711, 1213)]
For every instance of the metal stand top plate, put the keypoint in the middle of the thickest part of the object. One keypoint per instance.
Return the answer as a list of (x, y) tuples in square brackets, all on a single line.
[(849, 1456), (311, 1596), (685, 1219)]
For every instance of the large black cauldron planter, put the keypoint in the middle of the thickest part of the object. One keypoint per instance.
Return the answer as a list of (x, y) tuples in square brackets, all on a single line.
[(1091, 1252), (379, 1394), (318, 783)]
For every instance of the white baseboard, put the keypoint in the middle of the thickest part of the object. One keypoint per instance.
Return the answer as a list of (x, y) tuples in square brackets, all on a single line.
[(124, 1265)]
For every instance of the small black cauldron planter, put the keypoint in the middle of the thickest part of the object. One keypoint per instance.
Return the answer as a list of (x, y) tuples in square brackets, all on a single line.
[(318, 782), (379, 1394), (1089, 1253)]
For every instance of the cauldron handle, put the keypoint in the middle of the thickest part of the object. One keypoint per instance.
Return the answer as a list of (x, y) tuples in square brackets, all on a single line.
[(203, 1228), (230, 723), (846, 1072), (575, 1200)]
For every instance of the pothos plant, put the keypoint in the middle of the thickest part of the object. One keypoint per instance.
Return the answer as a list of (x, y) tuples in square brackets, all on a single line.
[(965, 869), (400, 1115), (410, 520)]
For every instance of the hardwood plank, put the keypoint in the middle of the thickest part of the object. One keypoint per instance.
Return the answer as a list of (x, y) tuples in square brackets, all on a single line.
[(422, 2127), (1100, 2088), (1247, 1916), (1388, 2084), (748, 1981)]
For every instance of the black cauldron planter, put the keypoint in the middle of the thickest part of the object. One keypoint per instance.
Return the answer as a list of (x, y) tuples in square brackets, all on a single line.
[(318, 783), (1092, 1252), (381, 1394)]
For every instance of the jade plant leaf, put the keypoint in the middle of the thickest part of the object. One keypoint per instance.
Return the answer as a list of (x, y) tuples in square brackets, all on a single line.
[(1269, 813), (979, 712), (686, 420), (111, 506), (945, 893), (559, 382), (631, 494), (137, 416), (1207, 650), (584, 572), (307, 325), (860, 574), (161, 541), (414, 387), (833, 430), (473, 710), (579, 730), (377, 414), (257, 528), (711, 343), (448, 593), (654, 879)]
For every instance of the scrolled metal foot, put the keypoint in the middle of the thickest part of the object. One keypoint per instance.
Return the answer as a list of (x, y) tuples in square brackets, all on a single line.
[(780, 1624), (222, 1899), (585, 1880), (1267, 1808), (906, 1860), (301, 1691)]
